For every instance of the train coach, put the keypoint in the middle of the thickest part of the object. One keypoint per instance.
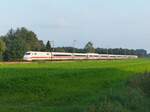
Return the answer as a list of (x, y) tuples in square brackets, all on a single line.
[(33, 55)]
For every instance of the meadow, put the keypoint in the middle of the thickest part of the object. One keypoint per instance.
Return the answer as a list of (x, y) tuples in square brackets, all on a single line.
[(82, 86)]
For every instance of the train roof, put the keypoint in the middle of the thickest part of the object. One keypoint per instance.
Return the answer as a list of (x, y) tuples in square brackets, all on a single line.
[(92, 54), (61, 53)]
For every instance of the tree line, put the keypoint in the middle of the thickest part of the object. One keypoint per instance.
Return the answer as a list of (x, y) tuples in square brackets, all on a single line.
[(15, 43)]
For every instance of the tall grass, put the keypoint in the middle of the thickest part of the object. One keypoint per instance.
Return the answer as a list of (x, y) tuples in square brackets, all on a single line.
[(87, 86)]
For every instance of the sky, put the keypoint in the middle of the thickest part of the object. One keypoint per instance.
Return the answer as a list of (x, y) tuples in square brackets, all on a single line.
[(107, 23)]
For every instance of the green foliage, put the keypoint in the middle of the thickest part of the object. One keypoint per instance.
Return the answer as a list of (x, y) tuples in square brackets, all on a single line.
[(87, 86), (2, 46), (19, 41), (119, 51), (142, 82), (89, 47), (2, 49), (15, 50), (60, 49), (30, 38), (48, 46)]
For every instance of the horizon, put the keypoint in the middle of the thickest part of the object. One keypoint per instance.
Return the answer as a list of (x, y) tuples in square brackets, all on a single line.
[(108, 24)]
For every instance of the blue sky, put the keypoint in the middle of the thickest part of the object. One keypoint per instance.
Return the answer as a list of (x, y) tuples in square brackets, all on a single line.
[(107, 23)]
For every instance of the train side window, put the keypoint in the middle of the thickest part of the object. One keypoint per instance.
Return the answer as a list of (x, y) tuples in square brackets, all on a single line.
[(81, 55)]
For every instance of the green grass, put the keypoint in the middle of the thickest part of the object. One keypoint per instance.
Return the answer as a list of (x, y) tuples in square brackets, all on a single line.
[(83, 86)]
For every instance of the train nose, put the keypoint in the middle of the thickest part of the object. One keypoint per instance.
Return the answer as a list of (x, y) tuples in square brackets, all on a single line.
[(27, 58)]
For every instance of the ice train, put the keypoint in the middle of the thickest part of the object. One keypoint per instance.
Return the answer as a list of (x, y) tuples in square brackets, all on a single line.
[(33, 55)]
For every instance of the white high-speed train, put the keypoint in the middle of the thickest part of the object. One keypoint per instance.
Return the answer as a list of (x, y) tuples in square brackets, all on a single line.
[(33, 55)]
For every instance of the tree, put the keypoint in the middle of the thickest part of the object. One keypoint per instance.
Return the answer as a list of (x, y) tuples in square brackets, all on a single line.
[(48, 46), (42, 45), (141, 52), (60, 49), (2, 46), (20, 41), (30, 38), (15, 51), (89, 47)]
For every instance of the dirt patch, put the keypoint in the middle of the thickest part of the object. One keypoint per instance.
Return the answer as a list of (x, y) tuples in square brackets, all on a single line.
[(15, 62)]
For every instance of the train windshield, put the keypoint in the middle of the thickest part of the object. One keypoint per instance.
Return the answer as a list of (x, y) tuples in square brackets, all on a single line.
[(27, 53)]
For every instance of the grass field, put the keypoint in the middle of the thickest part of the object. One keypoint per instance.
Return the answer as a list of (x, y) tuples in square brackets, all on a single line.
[(83, 86)]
